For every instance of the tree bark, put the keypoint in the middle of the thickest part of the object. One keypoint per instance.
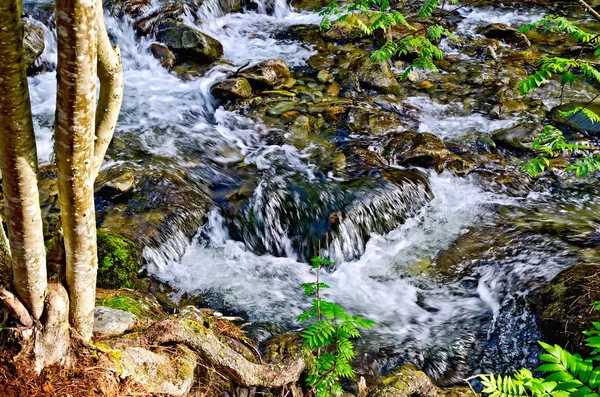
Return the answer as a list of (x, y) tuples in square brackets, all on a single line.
[(74, 148), (110, 73), (18, 161)]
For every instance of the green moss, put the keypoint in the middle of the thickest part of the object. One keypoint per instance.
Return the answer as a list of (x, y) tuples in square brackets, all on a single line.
[(118, 261), (127, 303)]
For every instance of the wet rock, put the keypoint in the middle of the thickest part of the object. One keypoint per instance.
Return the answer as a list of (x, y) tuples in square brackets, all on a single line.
[(230, 6), (519, 137), (232, 89), (267, 74), (163, 54), (33, 41), (112, 322), (325, 77), (506, 34), (171, 374), (420, 149), (173, 10), (118, 261), (309, 5), (376, 75), (564, 307), (187, 42), (115, 185), (579, 121)]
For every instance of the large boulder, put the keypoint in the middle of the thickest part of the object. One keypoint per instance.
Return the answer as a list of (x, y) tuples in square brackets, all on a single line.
[(506, 34), (267, 74), (376, 75), (187, 42), (578, 121), (564, 307), (33, 41), (232, 89), (519, 137)]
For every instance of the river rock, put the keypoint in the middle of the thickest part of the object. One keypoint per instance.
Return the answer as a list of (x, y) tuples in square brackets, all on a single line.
[(518, 138), (579, 121), (231, 89), (163, 54), (564, 307), (188, 42), (267, 74), (112, 322), (506, 34), (33, 41), (376, 75)]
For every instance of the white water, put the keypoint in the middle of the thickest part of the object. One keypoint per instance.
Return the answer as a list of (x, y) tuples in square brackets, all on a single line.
[(167, 116)]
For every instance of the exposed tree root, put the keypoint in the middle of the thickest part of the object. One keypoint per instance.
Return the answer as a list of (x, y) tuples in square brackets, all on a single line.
[(225, 359)]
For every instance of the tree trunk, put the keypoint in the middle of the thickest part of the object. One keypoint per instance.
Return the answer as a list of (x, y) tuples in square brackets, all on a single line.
[(18, 160), (74, 148), (110, 73)]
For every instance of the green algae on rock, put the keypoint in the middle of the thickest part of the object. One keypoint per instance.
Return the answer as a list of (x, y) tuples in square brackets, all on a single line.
[(118, 261)]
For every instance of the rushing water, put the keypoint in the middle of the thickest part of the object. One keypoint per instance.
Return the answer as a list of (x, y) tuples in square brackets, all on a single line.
[(459, 318)]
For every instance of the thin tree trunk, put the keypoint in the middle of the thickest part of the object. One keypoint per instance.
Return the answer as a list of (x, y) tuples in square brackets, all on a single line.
[(74, 148), (110, 73), (18, 160)]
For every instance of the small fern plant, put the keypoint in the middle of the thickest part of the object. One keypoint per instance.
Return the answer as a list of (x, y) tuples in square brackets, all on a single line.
[(329, 337), (568, 375), (379, 15), (551, 143)]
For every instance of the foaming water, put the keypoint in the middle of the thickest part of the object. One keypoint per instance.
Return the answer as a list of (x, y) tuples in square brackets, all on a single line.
[(474, 17), (451, 121)]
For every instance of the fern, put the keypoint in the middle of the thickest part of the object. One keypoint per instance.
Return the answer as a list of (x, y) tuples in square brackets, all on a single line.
[(329, 338)]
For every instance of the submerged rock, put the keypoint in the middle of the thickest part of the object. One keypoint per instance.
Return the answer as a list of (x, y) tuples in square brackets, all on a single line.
[(376, 75), (163, 54), (267, 74), (33, 41), (112, 322), (564, 307), (231, 89), (506, 34), (188, 42)]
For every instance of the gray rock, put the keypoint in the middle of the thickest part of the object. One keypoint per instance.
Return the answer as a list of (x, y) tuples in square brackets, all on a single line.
[(188, 42), (33, 41), (110, 322), (579, 121)]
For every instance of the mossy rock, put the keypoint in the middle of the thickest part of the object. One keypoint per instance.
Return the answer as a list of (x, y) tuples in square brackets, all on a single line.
[(118, 261), (564, 308)]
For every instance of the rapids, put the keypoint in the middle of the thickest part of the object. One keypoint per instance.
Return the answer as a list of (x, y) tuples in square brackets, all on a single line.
[(454, 316)]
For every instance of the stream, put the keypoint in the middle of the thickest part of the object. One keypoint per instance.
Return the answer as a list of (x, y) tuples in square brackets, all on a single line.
[(446, 272)]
